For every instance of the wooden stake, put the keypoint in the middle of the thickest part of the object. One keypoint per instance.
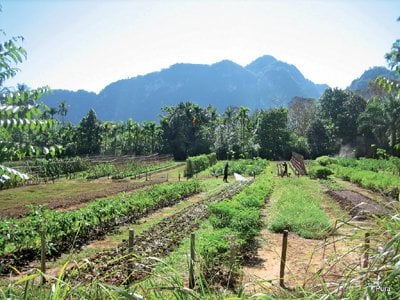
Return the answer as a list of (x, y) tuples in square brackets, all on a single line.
[(191, 261), (366, 250), (283, 259), (43, 255), (130, 250)]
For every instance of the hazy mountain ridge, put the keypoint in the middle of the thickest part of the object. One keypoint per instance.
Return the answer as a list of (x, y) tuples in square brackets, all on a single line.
[(264, 83), (360, 85)]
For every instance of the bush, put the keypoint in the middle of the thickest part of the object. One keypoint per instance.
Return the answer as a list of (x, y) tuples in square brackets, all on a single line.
[(196, 164), (325, 160), (320, 172)]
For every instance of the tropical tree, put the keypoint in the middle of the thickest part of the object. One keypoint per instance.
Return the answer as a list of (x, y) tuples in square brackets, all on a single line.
[(19, 112), (88, 135), (273, 135), (318, 139), (62, 110), (183, 132)]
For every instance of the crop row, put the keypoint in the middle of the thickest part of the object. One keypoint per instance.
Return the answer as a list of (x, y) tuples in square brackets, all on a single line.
[(297, 207), (247, 167), (21, 237), (238, 218), (159, 240), (390, 165), (386, 183)]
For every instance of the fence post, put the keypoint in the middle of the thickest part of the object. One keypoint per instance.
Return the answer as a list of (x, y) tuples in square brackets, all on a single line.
[(191, 261), (130, 250), (283, 259), (43, 255), (366, 250)]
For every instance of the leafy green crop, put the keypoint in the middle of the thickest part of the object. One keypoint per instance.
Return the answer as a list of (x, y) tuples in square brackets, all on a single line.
[(63, 228), (247, 167), (297, 209)]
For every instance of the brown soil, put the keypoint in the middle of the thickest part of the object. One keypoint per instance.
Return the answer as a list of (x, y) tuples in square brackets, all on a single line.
[(110, 188), (357, 205)]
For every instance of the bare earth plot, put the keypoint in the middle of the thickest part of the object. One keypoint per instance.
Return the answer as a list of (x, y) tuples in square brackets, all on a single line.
[(72, 193)]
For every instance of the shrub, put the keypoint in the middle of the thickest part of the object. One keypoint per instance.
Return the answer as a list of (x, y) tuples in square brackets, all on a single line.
[(325, 160), (320, 172), (196, 164)]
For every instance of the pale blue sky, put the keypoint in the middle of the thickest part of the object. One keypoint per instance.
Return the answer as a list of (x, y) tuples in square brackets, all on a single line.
[(88, 44)]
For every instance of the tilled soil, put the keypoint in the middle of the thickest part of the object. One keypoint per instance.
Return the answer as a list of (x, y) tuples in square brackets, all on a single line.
[(111, 187), (120, 265), (357, 205)]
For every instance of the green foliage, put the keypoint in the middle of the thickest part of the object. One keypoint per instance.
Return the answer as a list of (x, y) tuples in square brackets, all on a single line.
[(196, 164), (239, 217), (273, 134), (89, 134), (297, 209), (319, 172), (100, 170), (65, 227), (247, 167), (319, 141), (184, 130), (55, 167), (325, 160), (19, 113), (388, 184)]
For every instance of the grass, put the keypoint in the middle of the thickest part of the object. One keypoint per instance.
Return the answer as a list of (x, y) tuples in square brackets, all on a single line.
[(296, 206)]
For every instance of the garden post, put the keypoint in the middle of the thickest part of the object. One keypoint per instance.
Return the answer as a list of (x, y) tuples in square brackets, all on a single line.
[(130, 250), (43, 255), (283, 259), (191, 261), (366, 250)]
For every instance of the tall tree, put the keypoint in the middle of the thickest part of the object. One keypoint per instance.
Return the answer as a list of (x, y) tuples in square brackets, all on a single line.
[(318, 139), (273, 135), (183, 132), (62, 110), (89, 134), (301, 112)]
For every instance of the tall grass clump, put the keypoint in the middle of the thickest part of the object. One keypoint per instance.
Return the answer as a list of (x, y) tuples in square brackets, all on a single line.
[(296, 207)]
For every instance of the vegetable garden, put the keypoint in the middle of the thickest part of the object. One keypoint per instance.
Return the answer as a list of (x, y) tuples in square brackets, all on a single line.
[(227, 222)]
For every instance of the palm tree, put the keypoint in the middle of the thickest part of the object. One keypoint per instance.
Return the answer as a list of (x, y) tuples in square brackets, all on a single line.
[(63, 110)]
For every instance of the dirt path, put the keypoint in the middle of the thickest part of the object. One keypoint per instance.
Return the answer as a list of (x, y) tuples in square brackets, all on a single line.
[(308, 261)]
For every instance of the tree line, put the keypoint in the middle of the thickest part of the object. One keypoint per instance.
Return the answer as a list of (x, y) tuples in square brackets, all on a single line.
[(339, 122)]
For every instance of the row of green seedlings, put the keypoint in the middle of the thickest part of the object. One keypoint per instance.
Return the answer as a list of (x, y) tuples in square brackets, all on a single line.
[(297, 208), (383, 182), (235, 224), (64, 229), (391, 165), (49, 169), (196, 164), (247, 167)]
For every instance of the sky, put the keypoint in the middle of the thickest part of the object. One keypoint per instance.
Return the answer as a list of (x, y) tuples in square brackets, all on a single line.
[(89, 44)]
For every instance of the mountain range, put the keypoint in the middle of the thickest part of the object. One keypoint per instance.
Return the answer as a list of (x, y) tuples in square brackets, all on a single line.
[(264, 83)]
